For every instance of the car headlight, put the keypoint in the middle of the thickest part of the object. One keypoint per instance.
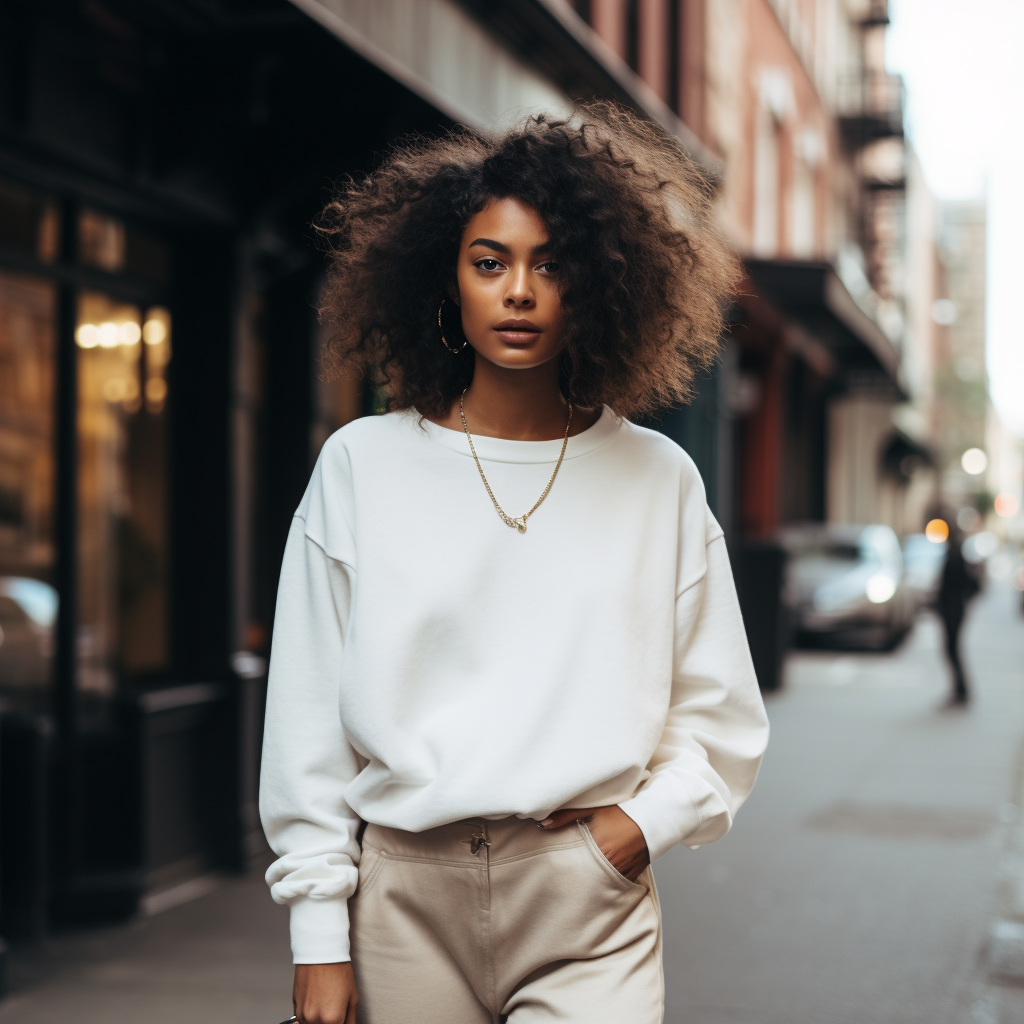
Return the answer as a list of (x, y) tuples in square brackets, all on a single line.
[(880, 588)]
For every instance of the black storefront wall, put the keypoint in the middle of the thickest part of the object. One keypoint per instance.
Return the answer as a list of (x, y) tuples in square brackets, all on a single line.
[(215, 128), (150, 796), (79, 797)]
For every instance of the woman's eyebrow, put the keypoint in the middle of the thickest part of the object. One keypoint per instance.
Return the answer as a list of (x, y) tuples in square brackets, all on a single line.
[(489, 243)]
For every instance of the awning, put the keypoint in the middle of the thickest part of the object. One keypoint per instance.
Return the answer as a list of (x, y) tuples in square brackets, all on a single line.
[(479, 63), (902, 455), (811, 293)]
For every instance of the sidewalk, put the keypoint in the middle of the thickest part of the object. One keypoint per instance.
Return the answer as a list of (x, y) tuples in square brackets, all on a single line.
[(856, 888), (223, 959)]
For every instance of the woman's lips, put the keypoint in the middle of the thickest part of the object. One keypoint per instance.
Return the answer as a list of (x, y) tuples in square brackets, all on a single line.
[(519, 337), (517, 332)]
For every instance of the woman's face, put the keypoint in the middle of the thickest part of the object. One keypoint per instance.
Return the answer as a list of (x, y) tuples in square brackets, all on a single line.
[(508, 286)]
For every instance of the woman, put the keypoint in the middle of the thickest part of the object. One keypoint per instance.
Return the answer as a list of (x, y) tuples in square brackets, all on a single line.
[(509, 669)]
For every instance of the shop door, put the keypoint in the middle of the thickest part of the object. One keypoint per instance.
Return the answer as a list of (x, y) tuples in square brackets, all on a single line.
[(28, 600), (123, 351), (28, 596)]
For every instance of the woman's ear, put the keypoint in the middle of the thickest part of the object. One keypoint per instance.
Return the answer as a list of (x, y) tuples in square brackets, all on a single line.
[(453, 292)]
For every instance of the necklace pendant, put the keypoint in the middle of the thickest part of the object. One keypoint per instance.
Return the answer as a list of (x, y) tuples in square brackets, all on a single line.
[(522, 527)]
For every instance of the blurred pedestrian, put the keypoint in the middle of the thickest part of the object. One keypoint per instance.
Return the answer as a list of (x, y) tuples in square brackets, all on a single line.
[(483, 726), (958, 584)]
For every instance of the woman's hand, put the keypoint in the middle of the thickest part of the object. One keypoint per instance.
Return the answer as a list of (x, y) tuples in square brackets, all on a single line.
[(325, 994), (617, 835)]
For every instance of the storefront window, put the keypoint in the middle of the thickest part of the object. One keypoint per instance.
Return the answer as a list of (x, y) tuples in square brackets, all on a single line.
[(28, 601), (123, 353), (29, 224), (109, 244)]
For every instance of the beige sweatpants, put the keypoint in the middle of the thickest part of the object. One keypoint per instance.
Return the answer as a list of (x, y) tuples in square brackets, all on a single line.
[(536, 926)]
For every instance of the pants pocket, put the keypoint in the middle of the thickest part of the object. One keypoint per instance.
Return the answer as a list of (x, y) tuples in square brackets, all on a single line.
[(371, 863), (606, 865)]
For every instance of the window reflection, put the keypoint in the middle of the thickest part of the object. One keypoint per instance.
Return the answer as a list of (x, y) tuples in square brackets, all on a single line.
[(122, 359), (27, 600), (101, 241), (29, 223), (115, 246)]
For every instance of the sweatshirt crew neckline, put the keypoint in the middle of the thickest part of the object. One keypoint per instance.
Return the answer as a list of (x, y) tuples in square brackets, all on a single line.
[(500, 449)]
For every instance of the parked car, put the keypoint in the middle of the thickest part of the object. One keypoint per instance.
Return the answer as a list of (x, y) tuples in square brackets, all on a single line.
[(845, 586), (922, 564)]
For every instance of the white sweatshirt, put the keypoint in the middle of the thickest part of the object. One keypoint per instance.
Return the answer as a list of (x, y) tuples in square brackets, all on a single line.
[(431, 664)]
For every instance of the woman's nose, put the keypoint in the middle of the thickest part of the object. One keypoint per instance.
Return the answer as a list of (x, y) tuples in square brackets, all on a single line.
[(520, 291)]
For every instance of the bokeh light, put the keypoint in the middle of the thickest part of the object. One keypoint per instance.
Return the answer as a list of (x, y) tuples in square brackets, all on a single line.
[(108, 335), (937, 531), (87, 336), (129, 333), (980, 546), (1006, 505), (153, 332), (974, 461), (880, 588)]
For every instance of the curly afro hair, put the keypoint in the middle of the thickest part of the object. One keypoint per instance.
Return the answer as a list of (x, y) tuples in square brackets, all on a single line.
[(644, 274)]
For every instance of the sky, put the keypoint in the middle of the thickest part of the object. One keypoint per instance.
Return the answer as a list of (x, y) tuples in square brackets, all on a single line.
[(963, 63)]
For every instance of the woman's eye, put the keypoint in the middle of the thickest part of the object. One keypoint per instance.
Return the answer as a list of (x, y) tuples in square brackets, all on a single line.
[(488, 264), (549, 268)]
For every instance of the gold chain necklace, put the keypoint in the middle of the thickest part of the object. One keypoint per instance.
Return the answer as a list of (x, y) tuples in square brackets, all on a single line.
[(518, 522)]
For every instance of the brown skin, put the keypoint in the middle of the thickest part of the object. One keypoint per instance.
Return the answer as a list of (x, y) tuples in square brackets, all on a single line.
[(617, 835), (506, 271), (325, 994), (515, 391)]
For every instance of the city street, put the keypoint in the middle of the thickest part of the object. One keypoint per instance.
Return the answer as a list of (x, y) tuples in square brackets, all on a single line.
[(857, 887)]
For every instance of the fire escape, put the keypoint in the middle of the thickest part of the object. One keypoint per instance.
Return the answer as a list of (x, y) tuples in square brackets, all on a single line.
[(871, 103)]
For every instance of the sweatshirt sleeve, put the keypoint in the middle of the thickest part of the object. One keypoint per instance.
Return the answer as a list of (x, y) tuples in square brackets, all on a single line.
[(307, 759), (716, 730)]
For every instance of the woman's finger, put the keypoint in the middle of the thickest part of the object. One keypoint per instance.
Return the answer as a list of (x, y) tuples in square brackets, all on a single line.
[(569, 814)]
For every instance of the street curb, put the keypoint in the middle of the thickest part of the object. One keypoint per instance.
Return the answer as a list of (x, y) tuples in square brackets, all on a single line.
[(1004, 947)]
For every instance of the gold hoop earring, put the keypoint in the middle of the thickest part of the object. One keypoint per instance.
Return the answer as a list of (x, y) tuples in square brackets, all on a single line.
[(444, 340)]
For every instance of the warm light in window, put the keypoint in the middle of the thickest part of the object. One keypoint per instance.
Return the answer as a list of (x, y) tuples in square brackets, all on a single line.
[(129, 333), (974, 461), (87, 336), (1006, 505), (153, 332), (937, 531), (108, 335)]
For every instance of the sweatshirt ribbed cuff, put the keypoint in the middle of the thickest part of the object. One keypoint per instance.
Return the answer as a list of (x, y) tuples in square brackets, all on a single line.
[(666, 818), (319, 931)]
